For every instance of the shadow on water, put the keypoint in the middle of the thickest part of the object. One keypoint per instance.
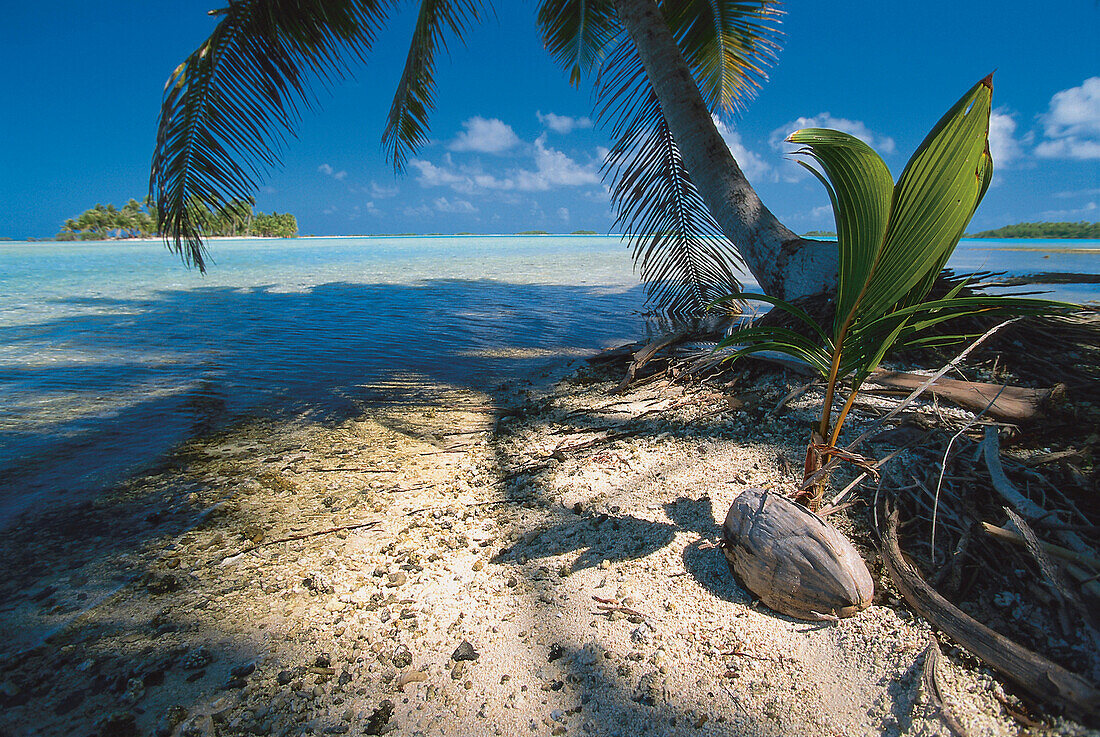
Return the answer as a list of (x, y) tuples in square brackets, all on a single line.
[(96, 396)]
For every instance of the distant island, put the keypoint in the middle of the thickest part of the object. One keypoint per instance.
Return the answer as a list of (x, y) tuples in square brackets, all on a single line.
[(139, 219), (533, 232), (1042, 230), (820, 232)]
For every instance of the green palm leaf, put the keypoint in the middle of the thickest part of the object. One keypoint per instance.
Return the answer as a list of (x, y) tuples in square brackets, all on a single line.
[(894, 239), (407, 125), (234, 101), (861, 205)]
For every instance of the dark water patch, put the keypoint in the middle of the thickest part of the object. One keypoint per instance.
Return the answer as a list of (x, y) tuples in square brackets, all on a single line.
[(92, 397)]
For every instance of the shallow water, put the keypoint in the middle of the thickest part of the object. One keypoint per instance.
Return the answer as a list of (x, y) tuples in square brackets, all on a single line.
[(112, 353)]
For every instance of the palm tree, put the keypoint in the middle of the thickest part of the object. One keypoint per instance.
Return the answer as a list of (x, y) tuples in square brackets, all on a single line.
[(662, 69)]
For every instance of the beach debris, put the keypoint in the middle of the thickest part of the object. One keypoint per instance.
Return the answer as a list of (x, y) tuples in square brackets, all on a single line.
[(1009, 403), (934, 689), (379, 719), (1043, 679), (794, 561)]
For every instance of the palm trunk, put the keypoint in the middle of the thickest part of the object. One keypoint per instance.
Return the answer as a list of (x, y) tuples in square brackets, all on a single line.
[(785, 265)]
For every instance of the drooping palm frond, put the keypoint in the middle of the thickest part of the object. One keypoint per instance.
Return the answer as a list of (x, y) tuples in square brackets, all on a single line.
[(678, 246), (229, 107), (407, 125), (578, 33)]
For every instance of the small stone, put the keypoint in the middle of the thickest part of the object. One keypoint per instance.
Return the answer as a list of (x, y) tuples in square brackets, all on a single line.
[(465, 651), (117, 724), (284, 677), (200, 657), (605, 564), (243, 671), (402, 657), (556, 652), (168, 721), (324, 660), (379, 718), (397, 578), (478, 564), (458, 670)]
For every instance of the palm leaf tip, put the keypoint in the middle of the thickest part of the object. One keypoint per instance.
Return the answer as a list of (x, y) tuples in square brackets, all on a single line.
[(407, 123), (236, 99)]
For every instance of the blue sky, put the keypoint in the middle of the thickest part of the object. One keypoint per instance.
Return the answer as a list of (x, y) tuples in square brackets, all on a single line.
[(513, 147)]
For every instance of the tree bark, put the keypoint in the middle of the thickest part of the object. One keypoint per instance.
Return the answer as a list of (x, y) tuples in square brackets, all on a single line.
[(785, 265)]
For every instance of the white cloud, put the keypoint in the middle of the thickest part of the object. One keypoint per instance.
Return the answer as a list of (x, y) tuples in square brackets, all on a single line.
[(563, 123), (1089, 210), (379, 192), (1072, 123), (431, 175), (1069, 148), (553, 169), (1078, 193), (328, 171), (421, 211), (462, 207), (751, 164), (1003, 145), (882, 144), (563, 213), (490, 136)]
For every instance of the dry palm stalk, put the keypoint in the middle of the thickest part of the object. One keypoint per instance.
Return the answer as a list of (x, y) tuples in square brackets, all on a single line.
[(1046, 681)]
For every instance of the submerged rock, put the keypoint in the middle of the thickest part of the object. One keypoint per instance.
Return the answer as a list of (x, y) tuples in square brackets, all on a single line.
[(794, 561)]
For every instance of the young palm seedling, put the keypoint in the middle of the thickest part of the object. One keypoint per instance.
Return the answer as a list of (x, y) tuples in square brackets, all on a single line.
[(894, 239)]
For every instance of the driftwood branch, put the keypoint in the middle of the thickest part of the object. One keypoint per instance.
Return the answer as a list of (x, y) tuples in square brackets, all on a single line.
[(642, 357), (1026, 508), (1046, 681), (1010, 403)]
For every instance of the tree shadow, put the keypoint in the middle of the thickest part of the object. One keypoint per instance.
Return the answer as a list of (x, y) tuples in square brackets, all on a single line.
[(707, 565), (258, 337)]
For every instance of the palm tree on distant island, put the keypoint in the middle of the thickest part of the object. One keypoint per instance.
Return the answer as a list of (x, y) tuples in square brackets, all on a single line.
[(663, 71)]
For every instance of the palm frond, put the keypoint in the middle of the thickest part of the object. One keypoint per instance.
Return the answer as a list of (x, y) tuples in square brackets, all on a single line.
[(407, 125), (728, 46), (578, 33), (229, 107), (680, 250)]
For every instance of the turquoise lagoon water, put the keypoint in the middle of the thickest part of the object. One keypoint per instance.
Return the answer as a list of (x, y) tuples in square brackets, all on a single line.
[(113, 353)]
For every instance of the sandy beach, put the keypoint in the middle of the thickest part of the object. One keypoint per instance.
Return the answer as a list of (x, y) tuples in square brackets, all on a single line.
[(528, 562)]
